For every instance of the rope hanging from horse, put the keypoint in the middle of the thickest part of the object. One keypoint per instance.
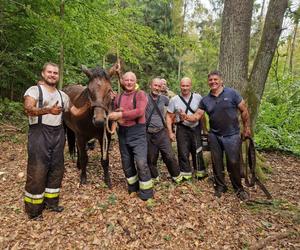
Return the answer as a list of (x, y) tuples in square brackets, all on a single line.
[(114, 124), (105, 144), (113, 127), (249, 164)]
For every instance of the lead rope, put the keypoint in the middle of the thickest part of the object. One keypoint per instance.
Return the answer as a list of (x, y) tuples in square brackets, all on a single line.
[(251, 164), (105, 144), (114, 124), (113, 127)]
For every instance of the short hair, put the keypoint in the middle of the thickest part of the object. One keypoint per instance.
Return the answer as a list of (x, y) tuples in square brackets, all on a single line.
[(215, 72), (164, 80), (129, 73), (51, 64), (155, 79), (184, 79)]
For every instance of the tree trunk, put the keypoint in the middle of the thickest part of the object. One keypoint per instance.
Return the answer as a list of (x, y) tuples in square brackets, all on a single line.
[(261, 15), (181, 36), (234, 49), (258, 77), (11, 91), (293, 48), (61, 55), (288, 48), (235, 42)]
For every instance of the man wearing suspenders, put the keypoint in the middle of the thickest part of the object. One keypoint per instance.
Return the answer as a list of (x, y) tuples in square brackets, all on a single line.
[(157, 134), (187, 133), (44, 105), (130, 113), (222, 105)]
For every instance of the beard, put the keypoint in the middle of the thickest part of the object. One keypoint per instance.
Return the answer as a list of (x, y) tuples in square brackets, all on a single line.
[(154, 93), (52, 84)]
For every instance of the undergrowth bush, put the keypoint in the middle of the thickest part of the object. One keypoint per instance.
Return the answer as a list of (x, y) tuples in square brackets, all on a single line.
[(278, 123), (12, 113)]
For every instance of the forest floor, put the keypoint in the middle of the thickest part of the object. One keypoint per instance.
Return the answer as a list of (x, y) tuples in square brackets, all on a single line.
[(185, 216)]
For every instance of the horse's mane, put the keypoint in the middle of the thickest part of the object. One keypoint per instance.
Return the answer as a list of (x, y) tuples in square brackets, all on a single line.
[(99, 72)]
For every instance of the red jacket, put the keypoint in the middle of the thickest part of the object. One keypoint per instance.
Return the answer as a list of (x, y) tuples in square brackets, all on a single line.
[(131, 115)]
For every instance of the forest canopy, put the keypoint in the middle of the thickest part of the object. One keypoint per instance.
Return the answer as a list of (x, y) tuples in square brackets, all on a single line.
[(165, 38)]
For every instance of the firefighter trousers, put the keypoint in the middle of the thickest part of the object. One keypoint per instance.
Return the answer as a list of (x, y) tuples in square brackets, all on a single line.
[(160, 142), (45, 167), (133, 149), (189, 142)]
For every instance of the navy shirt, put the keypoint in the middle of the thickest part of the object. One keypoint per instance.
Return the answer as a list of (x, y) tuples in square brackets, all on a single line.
[(223, 111)]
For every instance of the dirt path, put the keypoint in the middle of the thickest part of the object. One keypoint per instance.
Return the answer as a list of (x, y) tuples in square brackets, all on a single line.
[(181, 217)]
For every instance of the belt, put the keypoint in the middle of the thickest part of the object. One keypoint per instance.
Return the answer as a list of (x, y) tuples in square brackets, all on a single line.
[(186, 126), (154, 130)]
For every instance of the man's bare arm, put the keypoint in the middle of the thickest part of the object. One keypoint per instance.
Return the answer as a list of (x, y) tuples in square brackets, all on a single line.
[(245, 118), (79, 111), (194, 117), (170, 117), (31, 109)]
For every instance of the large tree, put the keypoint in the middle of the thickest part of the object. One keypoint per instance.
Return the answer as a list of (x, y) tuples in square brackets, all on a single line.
[(234, 48)]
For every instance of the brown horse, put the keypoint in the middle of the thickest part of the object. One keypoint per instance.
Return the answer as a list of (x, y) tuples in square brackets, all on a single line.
[(90, 124)]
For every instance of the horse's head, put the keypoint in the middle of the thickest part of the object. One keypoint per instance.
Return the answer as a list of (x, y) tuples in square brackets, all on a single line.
[(99, 88)]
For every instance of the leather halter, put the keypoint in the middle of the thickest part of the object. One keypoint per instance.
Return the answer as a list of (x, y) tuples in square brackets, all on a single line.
[(97, 104)]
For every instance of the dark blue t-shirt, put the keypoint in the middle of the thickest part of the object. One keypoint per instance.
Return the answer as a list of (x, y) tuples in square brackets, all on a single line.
[(222, 111)]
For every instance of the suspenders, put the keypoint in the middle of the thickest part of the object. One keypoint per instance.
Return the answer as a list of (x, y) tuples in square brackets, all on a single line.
[(134, 100), (187, 104), (134, 103), (40, 102), (155, 107), (40, 105)]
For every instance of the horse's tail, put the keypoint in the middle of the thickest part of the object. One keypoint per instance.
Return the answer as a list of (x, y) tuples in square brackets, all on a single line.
[(71, 139)]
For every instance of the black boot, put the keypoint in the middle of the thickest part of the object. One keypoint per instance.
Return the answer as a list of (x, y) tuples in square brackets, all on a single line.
[(55, 208), (35, 217)]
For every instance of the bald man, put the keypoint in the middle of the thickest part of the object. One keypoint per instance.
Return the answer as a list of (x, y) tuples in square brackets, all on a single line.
[(130, 109), (187, 133), (222, 105)]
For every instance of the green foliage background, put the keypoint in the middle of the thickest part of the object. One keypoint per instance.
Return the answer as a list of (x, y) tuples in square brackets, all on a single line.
[(152, 38), (278, 123)]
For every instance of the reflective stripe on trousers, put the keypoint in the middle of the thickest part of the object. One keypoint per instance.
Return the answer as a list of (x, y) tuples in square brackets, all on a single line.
[(45, 167), (186, 175), (133, 179), (34, 198), (144, 185), (52, 192)]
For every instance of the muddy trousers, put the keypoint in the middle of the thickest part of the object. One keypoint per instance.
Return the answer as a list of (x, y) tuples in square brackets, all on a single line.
[(133, 149), (45, 167), (230, 145), (189, 142), (160, 142)]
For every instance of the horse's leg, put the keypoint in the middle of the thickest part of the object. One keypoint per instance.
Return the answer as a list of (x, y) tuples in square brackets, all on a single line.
[(105, 163), (78, 158), (82, 159)]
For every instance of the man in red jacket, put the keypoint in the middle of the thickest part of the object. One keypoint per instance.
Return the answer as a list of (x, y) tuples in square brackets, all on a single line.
[(130, 113)]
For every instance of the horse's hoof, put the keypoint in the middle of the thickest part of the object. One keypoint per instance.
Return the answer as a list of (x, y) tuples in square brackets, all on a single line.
[(83, 181), (108, 183)]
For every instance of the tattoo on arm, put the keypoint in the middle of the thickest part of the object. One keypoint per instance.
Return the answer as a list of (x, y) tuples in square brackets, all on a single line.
[(31, 109), (169, 119), (195, 117), (244, 114)]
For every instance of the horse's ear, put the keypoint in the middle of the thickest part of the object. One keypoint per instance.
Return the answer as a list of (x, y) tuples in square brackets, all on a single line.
[(86, 71)]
